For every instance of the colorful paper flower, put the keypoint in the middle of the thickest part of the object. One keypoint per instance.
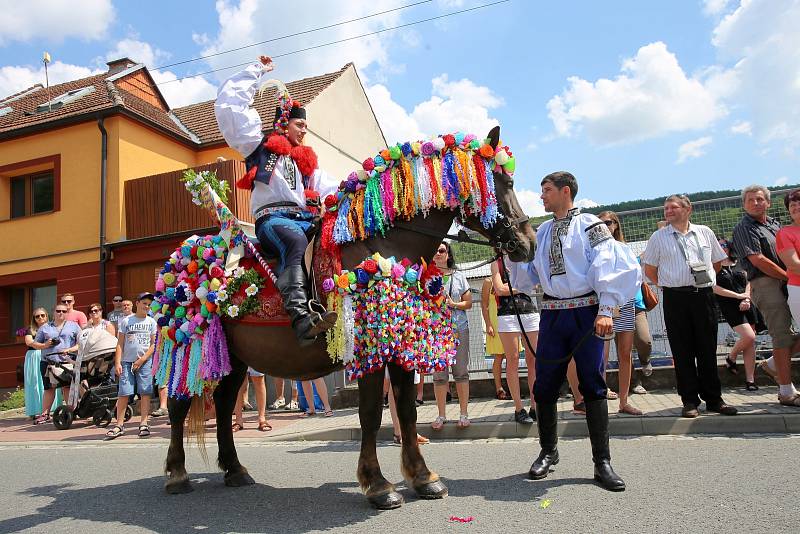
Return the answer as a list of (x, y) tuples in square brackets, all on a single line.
[(233, 310), (251, 290)]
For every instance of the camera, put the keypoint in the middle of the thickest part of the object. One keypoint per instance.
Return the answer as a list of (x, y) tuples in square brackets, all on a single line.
[(55, 341)]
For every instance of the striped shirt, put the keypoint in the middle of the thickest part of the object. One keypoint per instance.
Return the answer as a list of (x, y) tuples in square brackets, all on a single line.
[(664, 253)]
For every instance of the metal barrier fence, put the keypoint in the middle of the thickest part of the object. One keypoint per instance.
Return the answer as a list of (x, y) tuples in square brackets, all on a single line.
[(721, 215)]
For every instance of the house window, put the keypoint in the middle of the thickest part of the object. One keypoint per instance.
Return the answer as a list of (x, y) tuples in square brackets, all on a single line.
[(23, 300), (32, 194), (66, 98)]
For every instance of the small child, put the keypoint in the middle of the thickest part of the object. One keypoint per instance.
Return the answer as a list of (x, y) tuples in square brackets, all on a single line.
[(133, 361)]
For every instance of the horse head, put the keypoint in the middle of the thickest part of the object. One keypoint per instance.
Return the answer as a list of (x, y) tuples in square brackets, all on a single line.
[(512, 232)]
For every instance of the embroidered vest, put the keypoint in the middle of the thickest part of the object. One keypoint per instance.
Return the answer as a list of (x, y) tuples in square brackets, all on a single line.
[(261, 165)]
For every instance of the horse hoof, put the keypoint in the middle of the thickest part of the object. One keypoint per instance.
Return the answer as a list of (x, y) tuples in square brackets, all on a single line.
[(386, 501), (432, 490), (178, 486), (238, 479)]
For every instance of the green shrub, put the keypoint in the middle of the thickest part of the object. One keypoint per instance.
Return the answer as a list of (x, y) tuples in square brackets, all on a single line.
[(13, 401)]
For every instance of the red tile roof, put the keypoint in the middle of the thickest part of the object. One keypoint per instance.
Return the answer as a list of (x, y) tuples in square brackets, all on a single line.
[(197, 118)]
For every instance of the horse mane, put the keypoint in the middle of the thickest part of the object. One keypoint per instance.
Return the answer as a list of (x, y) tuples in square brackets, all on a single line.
[(453, 171)]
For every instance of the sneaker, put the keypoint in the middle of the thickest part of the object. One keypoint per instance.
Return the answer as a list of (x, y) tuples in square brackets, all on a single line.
[(721, 408), (292, 406), (522, 417), (765, 367), (279, 403), (789, 400), (161, 412), (647, 369), (639, 390)]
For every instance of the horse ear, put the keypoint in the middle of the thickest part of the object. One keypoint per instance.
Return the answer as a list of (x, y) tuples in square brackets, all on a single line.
[(494, 136)]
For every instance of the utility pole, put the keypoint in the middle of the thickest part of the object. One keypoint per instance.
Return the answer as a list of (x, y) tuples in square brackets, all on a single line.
[(46, 60)]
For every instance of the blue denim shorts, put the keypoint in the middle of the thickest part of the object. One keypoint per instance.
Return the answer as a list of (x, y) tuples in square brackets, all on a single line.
[(143, 377)]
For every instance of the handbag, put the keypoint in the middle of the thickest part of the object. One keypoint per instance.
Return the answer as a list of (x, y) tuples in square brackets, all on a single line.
[(649, 297)]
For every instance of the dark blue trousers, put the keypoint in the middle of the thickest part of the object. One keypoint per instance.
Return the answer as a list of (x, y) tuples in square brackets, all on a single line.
[(560, 331)]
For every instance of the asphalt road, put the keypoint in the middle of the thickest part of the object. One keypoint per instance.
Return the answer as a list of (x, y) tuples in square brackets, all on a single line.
[(675, 484)]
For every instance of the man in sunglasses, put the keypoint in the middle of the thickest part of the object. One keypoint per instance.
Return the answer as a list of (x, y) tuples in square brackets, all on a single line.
[(58, 341), (68, 299), (116, 315), (585, 274)]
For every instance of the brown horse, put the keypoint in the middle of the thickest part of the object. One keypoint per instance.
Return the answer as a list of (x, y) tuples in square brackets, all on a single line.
[(274, 351)]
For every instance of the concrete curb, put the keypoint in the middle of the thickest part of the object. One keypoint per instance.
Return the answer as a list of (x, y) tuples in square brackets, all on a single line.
[(576, 428)]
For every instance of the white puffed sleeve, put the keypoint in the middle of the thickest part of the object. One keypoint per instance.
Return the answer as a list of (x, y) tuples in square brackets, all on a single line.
[(239, 123), (324, 183), (614, 274), (530, 269)]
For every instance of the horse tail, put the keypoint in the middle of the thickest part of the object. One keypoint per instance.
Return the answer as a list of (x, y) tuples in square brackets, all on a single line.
[(196, 425)]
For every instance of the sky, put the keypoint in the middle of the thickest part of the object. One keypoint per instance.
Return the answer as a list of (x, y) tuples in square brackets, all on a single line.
[(636, 99)]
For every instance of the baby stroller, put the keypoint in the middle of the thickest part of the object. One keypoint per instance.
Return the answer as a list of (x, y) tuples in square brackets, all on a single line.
[(92, 392)]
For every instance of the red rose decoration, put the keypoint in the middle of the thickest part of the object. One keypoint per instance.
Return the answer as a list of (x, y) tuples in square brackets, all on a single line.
[(449, 140), (330, 201), (368, 165), (371, 266), (405, 262)]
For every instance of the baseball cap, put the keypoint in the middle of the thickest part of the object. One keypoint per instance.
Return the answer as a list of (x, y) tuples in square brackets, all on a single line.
[(145, 295)]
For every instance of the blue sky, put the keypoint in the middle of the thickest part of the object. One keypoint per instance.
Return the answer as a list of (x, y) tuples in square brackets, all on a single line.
[(637, 99)]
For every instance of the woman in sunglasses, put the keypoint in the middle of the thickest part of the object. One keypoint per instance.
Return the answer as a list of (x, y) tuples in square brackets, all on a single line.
[(624, 325), (34, 389), (96, 320), (58, 341)]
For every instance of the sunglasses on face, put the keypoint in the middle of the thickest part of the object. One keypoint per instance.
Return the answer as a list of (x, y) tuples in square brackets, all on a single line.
[(40, 316), (442, 251), (117, 300), (66, 301), (61, 311), (95, 310), (609, 223)]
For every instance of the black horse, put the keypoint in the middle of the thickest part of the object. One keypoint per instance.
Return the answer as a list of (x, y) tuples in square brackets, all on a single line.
[(274, 351)]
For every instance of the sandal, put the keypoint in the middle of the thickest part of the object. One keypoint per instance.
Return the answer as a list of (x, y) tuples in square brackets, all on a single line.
[(731, 366), (579, 408), (114, 433), (397, 439), (501, 395), (750, 386), (422, 440), (307, 414), (144, 431), (463, 421), (264, 426), (328, 413), (161, 412), (438, 423), (612, 395), (236, 427), (42, 419), (630, 410)]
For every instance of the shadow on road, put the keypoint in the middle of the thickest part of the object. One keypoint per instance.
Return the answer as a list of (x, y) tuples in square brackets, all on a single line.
[(212, 506)]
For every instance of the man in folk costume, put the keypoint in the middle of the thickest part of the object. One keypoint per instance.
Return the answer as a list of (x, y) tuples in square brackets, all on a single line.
[(285, 184), (585, 274)]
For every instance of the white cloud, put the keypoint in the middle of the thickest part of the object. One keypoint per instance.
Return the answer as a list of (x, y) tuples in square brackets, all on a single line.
[(16, 78), (530, 202), (139, 51), (715, 7), (183, 92), (55, 20), (651, 96), (760, 40), (586, 203), (248, 21), (783, 180), (693, 149), (742, 128), (459, 105)]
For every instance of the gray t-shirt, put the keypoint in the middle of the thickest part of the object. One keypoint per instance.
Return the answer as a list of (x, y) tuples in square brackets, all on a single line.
[(116, 317), (455, 286), (67, 335), (138, 332)]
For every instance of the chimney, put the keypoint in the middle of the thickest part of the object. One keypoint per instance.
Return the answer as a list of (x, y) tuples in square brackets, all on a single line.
[(118, 65)]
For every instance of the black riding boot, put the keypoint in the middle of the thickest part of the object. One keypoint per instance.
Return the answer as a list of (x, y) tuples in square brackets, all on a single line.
[(307, 324), (597, 421), (546, 420)]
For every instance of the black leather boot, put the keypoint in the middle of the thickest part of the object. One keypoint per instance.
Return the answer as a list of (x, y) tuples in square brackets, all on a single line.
[(546, 420), (307, 324), (597, 421)]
